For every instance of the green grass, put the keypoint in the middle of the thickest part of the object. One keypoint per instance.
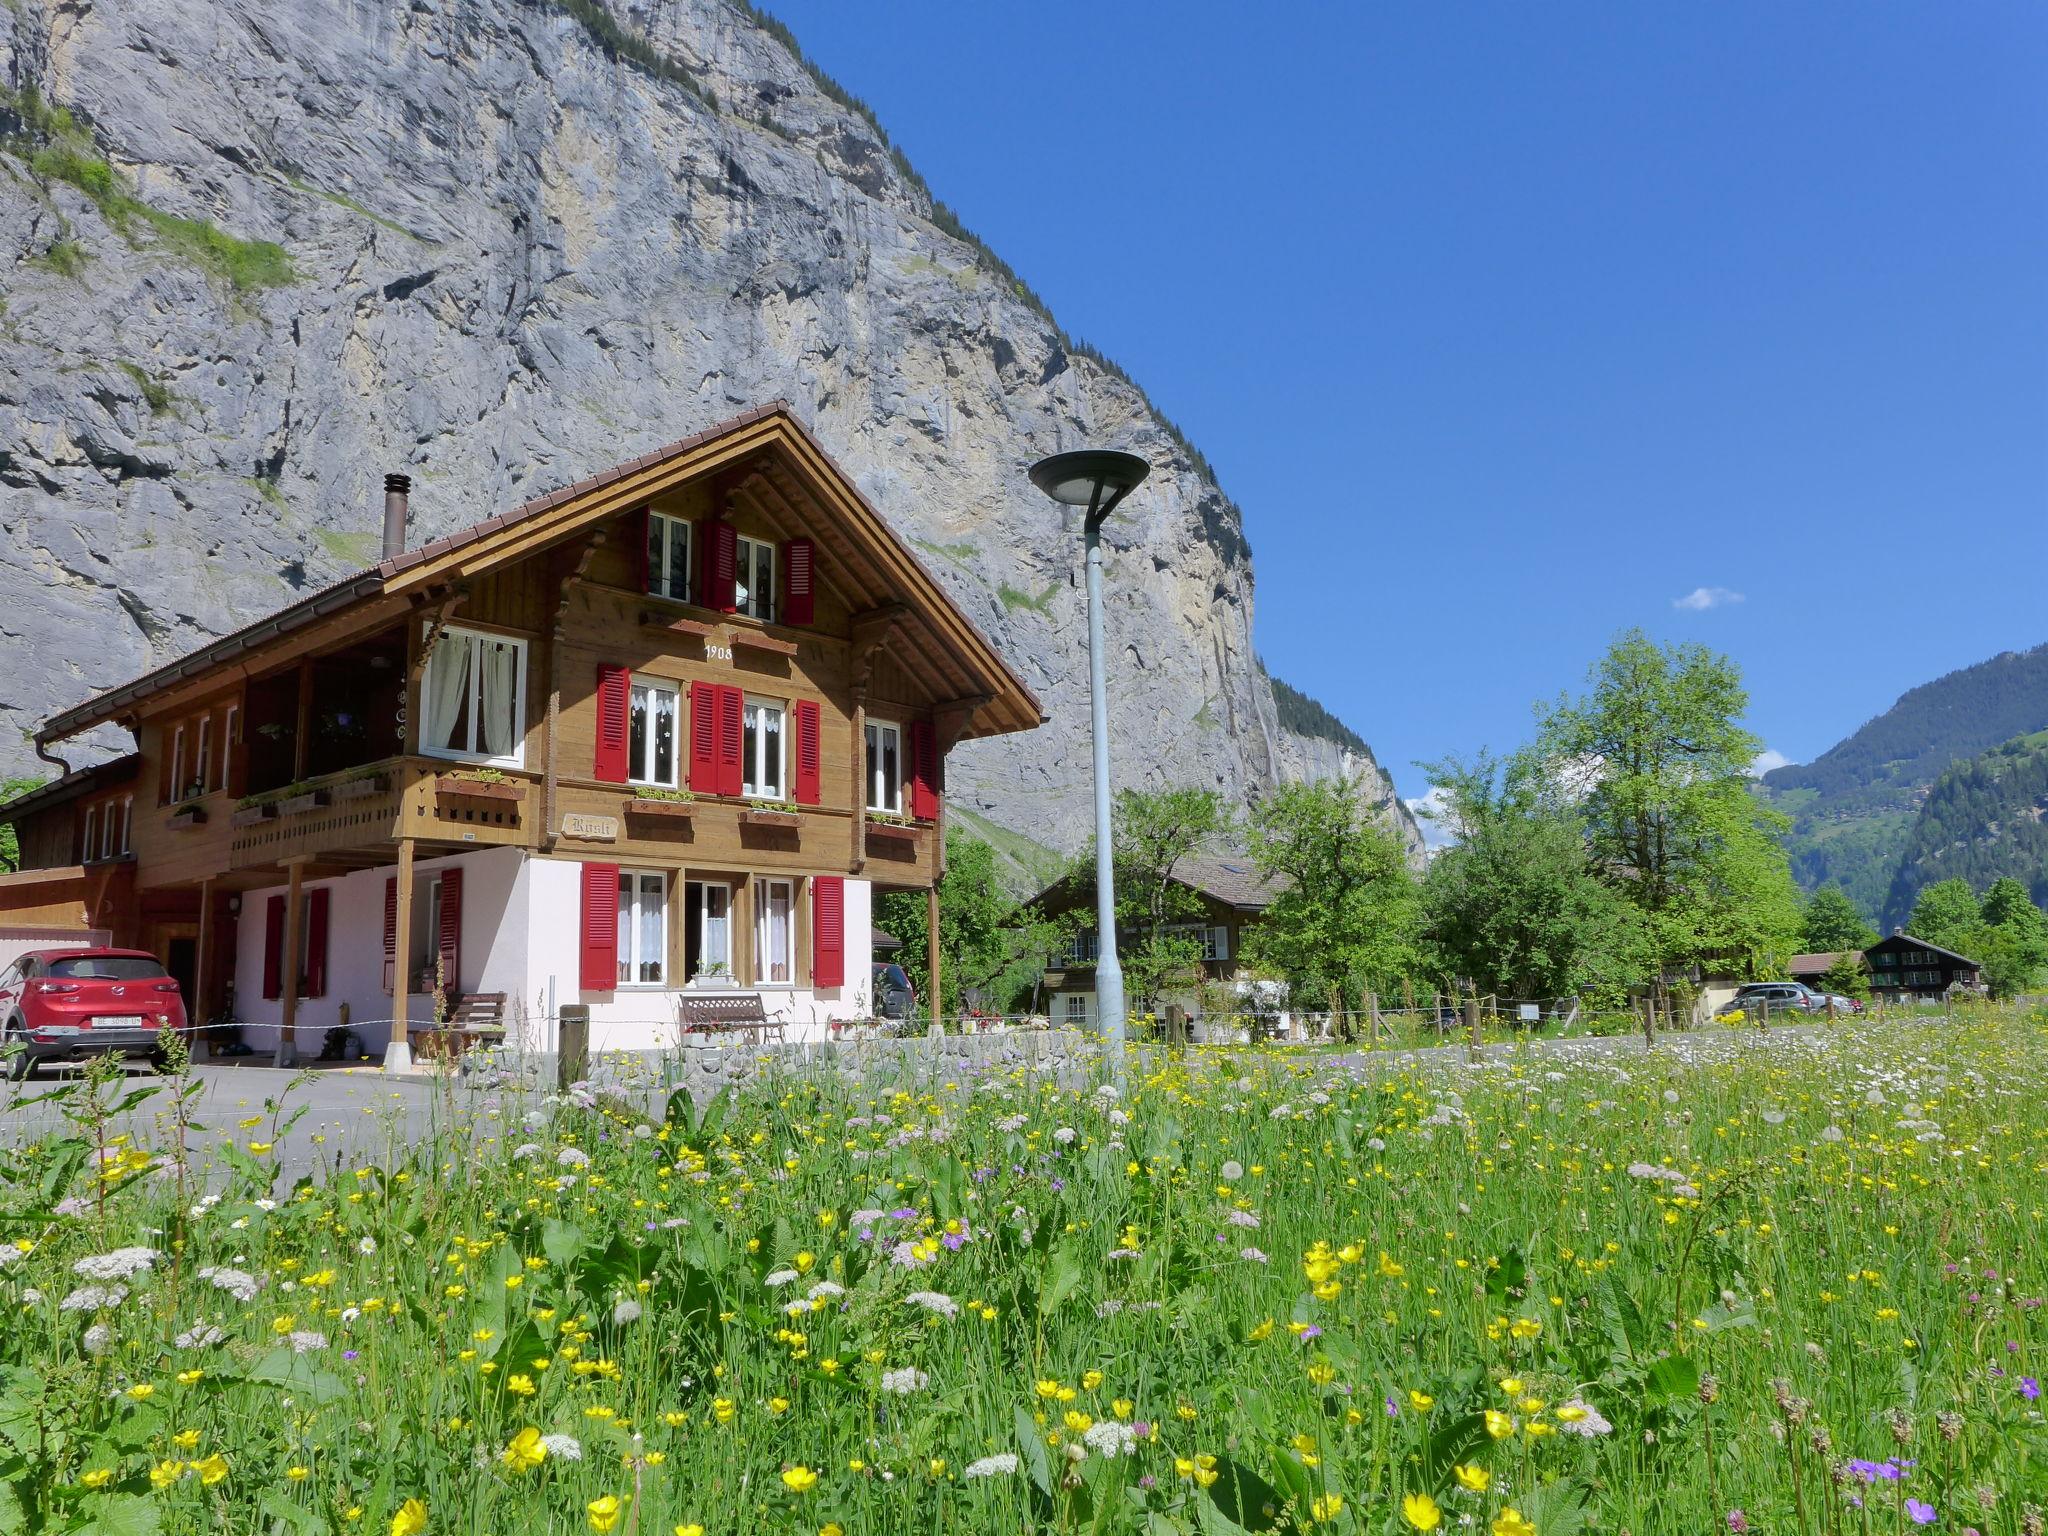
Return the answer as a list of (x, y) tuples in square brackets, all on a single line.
[(961, 553), (65, 257), (269, 490), (64, 152), (1015, 599), (1634, 1292), (1023, 866), (343, 200), (155, 393), (349, 549)]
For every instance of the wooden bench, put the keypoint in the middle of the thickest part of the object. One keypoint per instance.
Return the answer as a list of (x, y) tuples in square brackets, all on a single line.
[(727, 1013), (478, 1019)]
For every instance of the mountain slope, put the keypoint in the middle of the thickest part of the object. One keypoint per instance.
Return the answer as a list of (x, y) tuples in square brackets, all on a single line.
[(1854, 807), (257, 258), (1982, 820)]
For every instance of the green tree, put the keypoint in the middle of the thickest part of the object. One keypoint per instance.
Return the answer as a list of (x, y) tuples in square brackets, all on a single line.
[(1832, 922), (1514, 904), (988, 945), (1661, 767), (1344, 924), (10, 848), (1846, 976), (1947, 913), (2015, 939), (1152, 834)]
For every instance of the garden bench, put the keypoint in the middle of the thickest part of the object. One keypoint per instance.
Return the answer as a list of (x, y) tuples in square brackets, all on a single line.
[(727, 1013)]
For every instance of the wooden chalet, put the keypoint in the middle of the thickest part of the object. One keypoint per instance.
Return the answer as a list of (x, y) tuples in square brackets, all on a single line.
[(664, 729)]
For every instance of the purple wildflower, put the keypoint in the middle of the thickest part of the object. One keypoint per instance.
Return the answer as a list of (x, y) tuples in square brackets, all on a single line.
[(1919, 1513), (1393, 1408), (1737, 1521), (2029, 1388)]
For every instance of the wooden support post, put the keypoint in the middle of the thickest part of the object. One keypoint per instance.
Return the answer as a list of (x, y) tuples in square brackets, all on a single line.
[(287, 1053), (859, 857), (931, 929), (202, 969), (303, 729), (1472, 1021), (398, 1052)]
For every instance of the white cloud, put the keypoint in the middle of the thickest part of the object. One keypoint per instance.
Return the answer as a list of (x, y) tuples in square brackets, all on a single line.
[(1428, 810), (1704, 599), (1766, 760)]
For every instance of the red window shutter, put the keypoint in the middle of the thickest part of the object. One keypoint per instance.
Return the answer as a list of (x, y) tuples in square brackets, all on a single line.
[(600, 966), (614, 700), (828, 931), (808, 757), (720, 564), (315, 983), (924, 771), (732, 715), (704, 738), (636, 545), (799, 561), (450, 948), (273, 948)]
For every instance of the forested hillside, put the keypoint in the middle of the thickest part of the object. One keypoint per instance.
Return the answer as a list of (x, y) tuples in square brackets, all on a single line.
[(1983, 820), (1854, 807)]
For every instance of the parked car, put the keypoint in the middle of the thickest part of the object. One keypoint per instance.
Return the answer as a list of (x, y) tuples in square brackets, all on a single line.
[(895, 997), (70, 1004), (1768, 998), (1842, 1001)]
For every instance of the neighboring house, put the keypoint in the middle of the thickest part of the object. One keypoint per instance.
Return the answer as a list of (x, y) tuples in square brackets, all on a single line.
[(1231, 897), (1908, 969), (1809, 969), (668, 725)]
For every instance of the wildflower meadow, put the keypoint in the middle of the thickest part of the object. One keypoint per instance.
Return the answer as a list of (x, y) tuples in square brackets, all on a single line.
[(1789, 1282)]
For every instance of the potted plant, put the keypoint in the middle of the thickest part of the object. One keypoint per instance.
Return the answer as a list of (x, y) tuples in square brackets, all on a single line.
[(650, 800), (362, 784), (769, 813), (190, 814), (893, 828), (251, 811), (477, 784)]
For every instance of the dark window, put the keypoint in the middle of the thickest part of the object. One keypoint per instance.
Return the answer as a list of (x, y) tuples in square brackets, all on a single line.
[(108, 968)]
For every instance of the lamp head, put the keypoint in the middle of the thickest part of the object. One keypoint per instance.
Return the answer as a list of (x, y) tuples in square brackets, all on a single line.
[(1094, 478)]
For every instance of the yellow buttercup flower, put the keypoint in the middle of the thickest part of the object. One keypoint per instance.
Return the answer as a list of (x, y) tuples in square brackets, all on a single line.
[(603, 1513), (799, 1479), (1327, 1506), (1420, 1511), (99, 1477), (1498, 1424), (211, 1469), (410, 1519), (1510, 1523), (1472, 1478), (165, 1473), (689, 1528), (1421, 1402), (525, 1451), (186, 1439)]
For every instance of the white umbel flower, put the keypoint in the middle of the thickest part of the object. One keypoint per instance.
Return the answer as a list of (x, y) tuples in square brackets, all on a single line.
[(1002, 1464), (121, 1264), (906, 1381)]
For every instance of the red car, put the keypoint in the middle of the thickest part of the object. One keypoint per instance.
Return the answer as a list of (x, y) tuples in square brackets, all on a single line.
[(68, 1004)]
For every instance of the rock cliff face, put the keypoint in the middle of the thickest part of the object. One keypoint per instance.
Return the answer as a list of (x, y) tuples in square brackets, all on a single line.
[(259, 255)]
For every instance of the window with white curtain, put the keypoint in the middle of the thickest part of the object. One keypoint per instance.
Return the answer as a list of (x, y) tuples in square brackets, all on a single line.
[(754, 576), (652, 733), (761, 777), (473, 699), (774, 932), (707, 928), (885, 767), (643, 928)]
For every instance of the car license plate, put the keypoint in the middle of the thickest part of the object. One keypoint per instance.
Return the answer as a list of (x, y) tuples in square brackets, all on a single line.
[(118, 1021)]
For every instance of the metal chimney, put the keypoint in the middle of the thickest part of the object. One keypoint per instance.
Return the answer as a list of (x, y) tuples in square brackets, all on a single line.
[(397, 505)]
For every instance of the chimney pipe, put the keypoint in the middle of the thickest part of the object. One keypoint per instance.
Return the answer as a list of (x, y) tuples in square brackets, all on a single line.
[(397, 491)]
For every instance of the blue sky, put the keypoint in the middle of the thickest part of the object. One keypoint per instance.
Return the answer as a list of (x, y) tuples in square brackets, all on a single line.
[(1512, 326)]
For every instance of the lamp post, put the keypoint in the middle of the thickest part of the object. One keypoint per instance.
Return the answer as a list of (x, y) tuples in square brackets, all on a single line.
[(1097, 480)]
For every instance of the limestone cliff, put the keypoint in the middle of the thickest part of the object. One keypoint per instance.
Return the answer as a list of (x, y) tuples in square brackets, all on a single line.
[(257, 255)]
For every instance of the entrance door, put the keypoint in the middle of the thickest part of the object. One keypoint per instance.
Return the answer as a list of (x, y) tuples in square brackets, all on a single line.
[(177, 946)]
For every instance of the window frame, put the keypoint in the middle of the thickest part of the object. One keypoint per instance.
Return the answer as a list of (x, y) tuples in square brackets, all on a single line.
[(660, 581), (762, 886), (632, 912), (690, 962), (677, 746), (516, 758), (869, 766), (754, 749), (88, 835), (227, 744), (127, 825), (177, 764), (755, 606), (1077, 1009)]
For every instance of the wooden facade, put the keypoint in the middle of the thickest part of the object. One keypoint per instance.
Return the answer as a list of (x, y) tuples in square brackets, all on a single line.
[(319, 742)]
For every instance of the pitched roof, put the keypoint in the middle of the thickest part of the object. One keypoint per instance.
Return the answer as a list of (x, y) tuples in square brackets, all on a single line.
[(1903, 938), (405, 568), (1230, 878), (1820, 960), (78, 782)]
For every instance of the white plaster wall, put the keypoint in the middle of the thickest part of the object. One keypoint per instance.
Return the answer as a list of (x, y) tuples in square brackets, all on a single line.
[(493, 939), (643, 1018), (18, 941)]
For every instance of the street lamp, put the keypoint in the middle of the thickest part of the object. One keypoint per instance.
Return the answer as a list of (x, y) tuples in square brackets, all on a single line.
[(1097, 479)]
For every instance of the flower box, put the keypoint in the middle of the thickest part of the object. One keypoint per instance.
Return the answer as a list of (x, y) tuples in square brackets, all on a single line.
[(453, 787), (893, 831), (361, 789), (757, 818), (185, 820), (297, 805), (251, 815), (677, 810)]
